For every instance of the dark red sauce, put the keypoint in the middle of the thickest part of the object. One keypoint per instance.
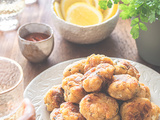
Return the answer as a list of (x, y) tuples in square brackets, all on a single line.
[(36, 37)]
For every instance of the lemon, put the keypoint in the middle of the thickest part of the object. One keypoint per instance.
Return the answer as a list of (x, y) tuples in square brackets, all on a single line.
[(91, 2), (96, 3), (83, 14), (110, 12), (65, 4), (57, 9)]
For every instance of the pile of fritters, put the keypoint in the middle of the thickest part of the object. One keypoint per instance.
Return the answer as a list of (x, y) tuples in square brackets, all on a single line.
[(98, 88)]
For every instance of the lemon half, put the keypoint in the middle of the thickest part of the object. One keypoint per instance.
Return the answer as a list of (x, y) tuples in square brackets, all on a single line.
[(65, 4), (83, 14), (57, 9), (110, 12)]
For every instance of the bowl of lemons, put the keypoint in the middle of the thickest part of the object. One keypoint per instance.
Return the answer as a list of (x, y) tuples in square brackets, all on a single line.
[(83, 21)]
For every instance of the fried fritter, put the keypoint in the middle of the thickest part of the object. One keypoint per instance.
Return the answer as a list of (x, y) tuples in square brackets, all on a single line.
[(54, 97), (144, 91), (70, 111), (125, 67), (93, 82), (73, 89), (67, 111), (155, 112), (76, 67), (98, 106), (56, 115), (136, 109), (98, 76), (117, 117), (94, 60), (123, 87)]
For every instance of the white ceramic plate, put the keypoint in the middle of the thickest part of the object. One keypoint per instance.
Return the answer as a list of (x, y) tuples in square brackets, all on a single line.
[(36, 90)]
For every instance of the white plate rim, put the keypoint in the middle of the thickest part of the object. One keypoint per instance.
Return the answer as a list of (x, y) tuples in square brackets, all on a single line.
[(144, 71)]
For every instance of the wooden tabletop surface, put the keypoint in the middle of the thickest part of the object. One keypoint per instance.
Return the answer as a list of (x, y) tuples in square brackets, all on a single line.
[(119, 44)]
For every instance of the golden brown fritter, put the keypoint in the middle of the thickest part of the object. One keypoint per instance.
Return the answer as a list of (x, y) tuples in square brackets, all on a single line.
[(125, 67), (56, 115), (67, 111), (155, 112), (73, 89), (123, 87), (93, 82), (98, 106), (117, 117), (144, 91), (94, 60), (136, 109), (105, 70), (76, 67), (98, 76), (70, 111), (54, 97)]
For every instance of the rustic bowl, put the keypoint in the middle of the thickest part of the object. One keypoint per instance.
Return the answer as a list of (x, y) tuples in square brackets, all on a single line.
[(84, 34), (35, 51)]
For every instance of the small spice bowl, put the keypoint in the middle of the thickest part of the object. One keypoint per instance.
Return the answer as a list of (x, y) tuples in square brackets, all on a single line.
[(36, 50)]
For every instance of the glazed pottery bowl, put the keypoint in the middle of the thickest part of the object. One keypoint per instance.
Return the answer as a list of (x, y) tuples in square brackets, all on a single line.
[(83, 34), (35, 51)]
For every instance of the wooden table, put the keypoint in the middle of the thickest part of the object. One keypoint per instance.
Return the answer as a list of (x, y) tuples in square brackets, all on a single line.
[(119, 44)]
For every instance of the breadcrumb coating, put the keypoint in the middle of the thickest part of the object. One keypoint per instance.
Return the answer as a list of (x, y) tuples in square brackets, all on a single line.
[(56, 115), (136, 109), (123, 87), (73, 89), (125, 67), (67, 111), (155, 112), (54, 97), (98, 76), (144, 91), (70, 111), (76, 67), (98, 106), (94, 60)]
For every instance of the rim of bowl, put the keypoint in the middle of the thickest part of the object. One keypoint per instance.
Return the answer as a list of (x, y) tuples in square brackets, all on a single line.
[(117, 13), (20, 78), (37, 24)]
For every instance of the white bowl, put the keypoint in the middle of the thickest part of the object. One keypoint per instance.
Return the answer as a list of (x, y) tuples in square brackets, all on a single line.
[(84, 34)]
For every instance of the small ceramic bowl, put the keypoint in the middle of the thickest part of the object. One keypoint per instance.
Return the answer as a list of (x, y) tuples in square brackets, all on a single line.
[(35, 51), (84, 34)]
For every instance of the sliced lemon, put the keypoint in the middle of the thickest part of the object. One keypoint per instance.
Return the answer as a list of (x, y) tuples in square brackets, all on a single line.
[(65, 4), (83, 14), (96, 2), (91, 2), (57, 9), (110, 12)]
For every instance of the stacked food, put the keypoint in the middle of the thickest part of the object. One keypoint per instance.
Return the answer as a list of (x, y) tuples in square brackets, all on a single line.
[(98, 88)]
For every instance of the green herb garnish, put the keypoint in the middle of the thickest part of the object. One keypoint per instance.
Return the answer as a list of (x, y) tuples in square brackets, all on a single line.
[(140, 12), (104, 4)]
